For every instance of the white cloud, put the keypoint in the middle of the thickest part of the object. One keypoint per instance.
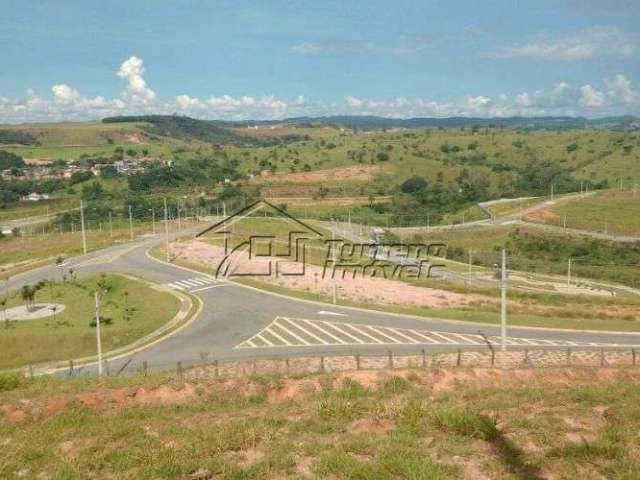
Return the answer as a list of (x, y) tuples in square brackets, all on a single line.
[(137, 91), (186, 102), (309, 48), (622, 92), (478, 103), (615, 95), (354, 102), (64, 94), (591, 98), (584, 44)]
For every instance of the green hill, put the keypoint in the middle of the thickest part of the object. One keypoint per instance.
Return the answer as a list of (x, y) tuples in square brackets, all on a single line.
[(186, 128)]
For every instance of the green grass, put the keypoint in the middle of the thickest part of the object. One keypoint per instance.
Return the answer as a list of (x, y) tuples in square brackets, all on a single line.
[(131, 309), (344, 431), (34, 209), (617, 212)]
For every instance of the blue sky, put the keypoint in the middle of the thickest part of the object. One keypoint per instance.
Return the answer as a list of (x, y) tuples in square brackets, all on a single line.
[(269, 59)]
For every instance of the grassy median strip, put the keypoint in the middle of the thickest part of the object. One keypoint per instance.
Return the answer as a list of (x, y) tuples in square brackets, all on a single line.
[(130, 310)]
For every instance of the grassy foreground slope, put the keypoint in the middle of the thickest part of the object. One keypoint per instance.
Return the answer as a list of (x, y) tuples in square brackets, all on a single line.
[(410, 424)]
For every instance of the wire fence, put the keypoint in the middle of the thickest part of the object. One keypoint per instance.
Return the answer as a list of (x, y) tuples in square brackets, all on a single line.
[(515, 358)]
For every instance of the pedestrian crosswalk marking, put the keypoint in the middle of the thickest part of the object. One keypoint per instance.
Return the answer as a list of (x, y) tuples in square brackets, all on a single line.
[(196, 283), (302, 332)]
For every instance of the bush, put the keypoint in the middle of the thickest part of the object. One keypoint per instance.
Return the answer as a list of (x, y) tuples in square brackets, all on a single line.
[(8, 382), (413, 184)]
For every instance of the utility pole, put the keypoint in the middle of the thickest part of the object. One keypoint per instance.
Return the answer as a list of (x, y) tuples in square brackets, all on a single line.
[(130, 224), (333, 258), (569, 274), (110, 225), (153, 219), (84, 234), (503, 301), (98, 339), (166, 229), (552, 191), (224, 216)]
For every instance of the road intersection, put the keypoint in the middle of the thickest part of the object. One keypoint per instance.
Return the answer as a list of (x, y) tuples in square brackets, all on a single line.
[(239, 322)]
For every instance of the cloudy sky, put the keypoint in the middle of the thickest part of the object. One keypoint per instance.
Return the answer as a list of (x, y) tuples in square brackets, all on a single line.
[(86, 59)]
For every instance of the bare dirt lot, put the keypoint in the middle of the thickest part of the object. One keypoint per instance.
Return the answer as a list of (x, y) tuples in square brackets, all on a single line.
[(360, 289), (356, 173)]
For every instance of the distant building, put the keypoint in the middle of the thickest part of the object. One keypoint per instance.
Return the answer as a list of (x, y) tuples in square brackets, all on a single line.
[(36, 197)]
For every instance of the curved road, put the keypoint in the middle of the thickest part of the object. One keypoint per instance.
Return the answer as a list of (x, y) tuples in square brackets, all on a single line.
[(241, 322)]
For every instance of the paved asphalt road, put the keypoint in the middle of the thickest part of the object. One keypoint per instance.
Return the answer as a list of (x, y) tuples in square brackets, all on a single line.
[(240, 322)]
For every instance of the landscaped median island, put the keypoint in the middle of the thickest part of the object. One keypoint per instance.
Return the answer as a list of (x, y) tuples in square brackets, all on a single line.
[(420, 423), (130, 309)]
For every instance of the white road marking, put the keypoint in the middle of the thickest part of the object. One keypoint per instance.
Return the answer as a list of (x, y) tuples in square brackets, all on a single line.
[(335, 314), (270, 331), (264, 340), (302, 332), (426, 337), (337, 339), (307, 332), (375, 329), (210, 287), (195, 284), (290, 333), (342, 332)]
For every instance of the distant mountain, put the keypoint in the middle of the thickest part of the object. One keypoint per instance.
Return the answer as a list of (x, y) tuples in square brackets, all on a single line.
[(376, 123), (219, 131)]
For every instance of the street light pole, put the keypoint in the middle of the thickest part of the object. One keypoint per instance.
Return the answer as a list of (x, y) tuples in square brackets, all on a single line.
[(84, 235), (98, 339), (166, 229), (333, 257), (503, 301), (130, 223)]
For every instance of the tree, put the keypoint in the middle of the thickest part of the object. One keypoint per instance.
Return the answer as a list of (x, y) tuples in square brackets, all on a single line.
[(413, 184), (10, 160), (28, 294), (3, 305)]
